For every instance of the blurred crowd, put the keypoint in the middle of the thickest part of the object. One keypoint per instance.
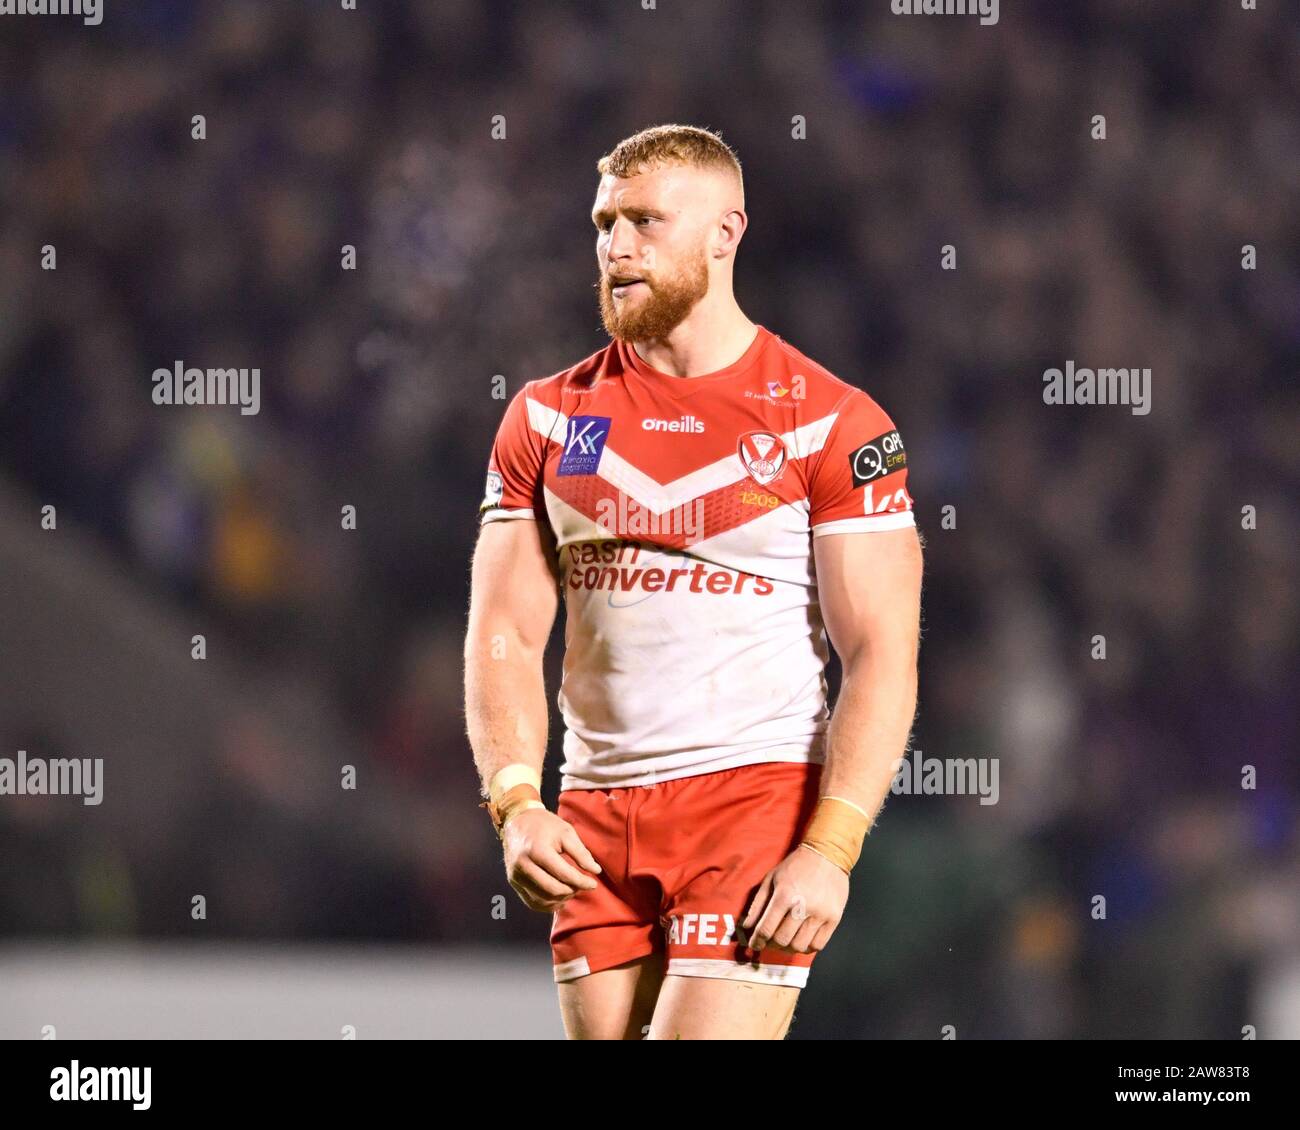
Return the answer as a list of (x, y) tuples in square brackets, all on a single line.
[(324, 129)]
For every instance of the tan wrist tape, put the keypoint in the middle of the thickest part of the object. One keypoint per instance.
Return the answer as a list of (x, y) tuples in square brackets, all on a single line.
[(516, 773), (517, 800), (836, 831), (513, 801)]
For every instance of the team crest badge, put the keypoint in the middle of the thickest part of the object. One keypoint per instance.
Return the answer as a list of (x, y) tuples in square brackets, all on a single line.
[(763, 455)]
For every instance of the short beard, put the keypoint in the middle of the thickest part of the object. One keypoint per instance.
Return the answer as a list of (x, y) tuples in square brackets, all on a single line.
[(664, 309)]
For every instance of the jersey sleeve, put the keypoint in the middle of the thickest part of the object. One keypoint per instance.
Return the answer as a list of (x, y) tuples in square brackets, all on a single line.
[(858, 482), (515, 466)]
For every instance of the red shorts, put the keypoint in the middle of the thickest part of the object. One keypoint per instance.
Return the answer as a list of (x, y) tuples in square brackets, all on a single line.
[(680, 863)]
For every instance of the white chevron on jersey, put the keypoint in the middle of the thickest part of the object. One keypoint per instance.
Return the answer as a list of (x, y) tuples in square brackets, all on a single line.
[(657, 497)]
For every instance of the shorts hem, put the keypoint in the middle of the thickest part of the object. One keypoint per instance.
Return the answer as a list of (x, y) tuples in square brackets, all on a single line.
[(792, 975), (585, 965)]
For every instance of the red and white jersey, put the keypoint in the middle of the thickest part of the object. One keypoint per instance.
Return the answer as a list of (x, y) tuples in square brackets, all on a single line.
[(683, 511)]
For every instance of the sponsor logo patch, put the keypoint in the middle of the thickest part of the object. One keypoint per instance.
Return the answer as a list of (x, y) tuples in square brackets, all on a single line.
[(492, 491), (882, 456), (583, 445)]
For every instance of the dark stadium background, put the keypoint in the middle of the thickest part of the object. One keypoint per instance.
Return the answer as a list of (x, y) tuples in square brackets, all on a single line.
[(328, 647)]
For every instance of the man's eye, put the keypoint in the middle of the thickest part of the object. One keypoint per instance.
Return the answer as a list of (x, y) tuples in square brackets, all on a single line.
[(604, 226)]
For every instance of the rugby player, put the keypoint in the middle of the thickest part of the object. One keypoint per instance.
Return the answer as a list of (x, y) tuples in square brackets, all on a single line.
[(712, 504)]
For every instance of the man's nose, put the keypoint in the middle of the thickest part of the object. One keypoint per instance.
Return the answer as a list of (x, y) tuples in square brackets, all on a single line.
[(622, 240)]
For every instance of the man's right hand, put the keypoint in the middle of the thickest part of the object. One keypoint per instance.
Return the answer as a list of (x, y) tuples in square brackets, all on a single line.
[(536, 843)]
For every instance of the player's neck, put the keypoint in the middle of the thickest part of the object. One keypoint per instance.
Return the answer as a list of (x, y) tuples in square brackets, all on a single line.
[(704, 342)]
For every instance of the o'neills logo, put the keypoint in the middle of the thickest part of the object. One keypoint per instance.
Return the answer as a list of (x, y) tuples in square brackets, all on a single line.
[(763, 456), (685, 424)]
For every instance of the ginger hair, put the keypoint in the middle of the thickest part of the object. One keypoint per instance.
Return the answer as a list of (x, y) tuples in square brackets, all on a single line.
[(672, 144)]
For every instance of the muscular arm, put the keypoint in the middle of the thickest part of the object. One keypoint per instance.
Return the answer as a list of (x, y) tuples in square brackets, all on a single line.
[(514, 596), (870, 592), (513, 602)]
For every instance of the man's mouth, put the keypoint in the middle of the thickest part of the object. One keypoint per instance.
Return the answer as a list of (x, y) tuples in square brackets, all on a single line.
[(621, 286)]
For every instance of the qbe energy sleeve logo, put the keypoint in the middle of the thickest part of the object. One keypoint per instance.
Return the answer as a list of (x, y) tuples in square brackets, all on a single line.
[(75, 1083), (882, 456)]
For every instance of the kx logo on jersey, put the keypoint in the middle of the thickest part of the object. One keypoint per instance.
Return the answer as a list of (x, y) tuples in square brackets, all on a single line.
[(583, 445)]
